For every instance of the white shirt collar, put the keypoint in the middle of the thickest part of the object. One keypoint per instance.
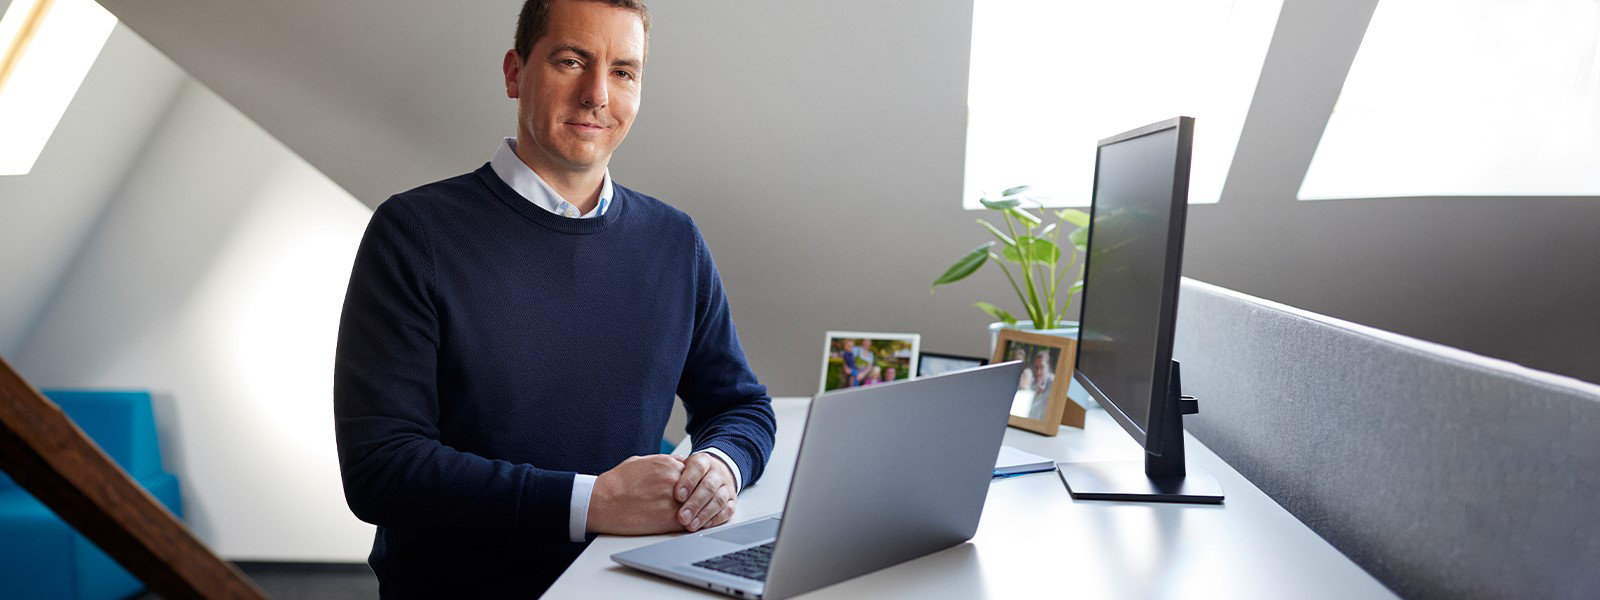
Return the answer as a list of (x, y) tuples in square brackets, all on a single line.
[(516, 174)]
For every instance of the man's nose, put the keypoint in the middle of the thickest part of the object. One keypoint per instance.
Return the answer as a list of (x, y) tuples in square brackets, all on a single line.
[(594, 92)]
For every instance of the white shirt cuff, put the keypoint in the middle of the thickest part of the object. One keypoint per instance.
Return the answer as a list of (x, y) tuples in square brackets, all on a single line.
[(738, 480), (578, 518)]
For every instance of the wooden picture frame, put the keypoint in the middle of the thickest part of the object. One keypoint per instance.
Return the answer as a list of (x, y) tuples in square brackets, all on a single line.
[(1041, 404)]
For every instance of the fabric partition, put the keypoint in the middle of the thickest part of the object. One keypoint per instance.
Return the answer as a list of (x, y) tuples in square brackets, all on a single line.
[(1441, 472)]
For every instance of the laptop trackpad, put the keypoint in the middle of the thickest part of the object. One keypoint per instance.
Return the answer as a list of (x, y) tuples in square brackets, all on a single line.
[(749, 533)]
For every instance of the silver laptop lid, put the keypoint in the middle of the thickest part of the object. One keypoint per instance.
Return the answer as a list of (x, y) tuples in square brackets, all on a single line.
[(888, 473)]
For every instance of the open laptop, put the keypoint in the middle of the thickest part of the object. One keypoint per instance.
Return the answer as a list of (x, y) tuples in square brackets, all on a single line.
[(884, 474)]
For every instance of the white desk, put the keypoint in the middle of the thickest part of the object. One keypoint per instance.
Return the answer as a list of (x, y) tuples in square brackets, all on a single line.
[(1035, 540)]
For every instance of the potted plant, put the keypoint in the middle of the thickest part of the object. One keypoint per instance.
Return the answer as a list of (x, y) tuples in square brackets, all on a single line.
[(1035, 249)]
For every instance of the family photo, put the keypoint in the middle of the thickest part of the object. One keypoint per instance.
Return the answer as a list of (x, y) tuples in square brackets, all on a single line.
[(1040, 404), (1037, 381), (860, 359)]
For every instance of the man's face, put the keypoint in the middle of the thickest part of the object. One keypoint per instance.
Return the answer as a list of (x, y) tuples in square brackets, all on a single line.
[(578, 91)]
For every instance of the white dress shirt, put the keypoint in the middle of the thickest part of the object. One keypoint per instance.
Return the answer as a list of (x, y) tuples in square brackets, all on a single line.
[(529, 185)]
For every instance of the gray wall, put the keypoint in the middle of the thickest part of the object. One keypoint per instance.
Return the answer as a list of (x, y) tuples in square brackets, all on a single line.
[(819, 146), (215, 279), (823, 157), (1511, 278), (46, 215)]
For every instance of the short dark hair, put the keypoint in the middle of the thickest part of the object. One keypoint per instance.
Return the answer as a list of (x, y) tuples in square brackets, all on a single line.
[(535, 20)]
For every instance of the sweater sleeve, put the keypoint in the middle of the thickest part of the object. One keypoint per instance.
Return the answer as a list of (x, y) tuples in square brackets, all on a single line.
[(396, 471), (727, 408)]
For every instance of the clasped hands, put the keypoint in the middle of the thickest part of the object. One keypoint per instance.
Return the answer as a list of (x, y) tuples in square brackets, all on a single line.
[(661, 493)]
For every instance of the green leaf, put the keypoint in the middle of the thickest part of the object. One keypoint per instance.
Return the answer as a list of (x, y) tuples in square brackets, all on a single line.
[(997, 312), (1073, 216), (1079, 239), (1000, 205), (965, 266), (1016, 190), (1027, 218), (1004, 239), (1036, 249), (1076, 287)]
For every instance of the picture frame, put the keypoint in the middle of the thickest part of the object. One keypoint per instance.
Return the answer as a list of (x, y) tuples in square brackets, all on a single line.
[(877, 358), (934, 363), (1041, 404)]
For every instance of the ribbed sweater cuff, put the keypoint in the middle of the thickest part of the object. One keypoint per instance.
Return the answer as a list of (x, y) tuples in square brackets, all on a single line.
[(742, 462)]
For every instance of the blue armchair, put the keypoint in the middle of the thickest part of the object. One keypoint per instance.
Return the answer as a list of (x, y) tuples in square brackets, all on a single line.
[(40, 555)]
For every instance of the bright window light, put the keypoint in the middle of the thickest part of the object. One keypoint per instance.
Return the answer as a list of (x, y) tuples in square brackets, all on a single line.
[(1050, 78), (1467, 98), (49, 46)]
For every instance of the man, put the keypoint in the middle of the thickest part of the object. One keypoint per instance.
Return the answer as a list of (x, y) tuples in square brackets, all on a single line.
[(865, 359), (1040, 384), (513, 338)]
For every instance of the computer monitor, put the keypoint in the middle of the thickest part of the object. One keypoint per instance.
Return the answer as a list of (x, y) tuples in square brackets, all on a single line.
[(1130, 306)]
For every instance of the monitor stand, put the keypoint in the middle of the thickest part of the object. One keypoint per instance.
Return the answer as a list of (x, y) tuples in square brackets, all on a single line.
[(1160, 478)]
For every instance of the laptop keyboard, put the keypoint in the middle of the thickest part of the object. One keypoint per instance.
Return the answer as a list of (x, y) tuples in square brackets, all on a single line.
[(749, 563)]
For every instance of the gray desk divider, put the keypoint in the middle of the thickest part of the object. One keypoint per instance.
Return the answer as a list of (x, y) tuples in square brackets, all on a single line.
[(1443, 473)]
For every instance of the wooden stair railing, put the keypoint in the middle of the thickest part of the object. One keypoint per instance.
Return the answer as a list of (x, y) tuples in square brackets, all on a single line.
[(48, 455)]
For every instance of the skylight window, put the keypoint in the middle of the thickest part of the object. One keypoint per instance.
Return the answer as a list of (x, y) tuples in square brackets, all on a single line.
[(1467, 98), (49, 46), (1048, 79)]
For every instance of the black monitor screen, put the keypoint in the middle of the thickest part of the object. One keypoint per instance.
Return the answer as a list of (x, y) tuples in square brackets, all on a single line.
[(1132, 270)]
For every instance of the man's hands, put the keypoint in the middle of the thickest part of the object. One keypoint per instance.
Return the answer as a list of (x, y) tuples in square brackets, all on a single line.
[(660, 493), (706, 490), (635, 498)]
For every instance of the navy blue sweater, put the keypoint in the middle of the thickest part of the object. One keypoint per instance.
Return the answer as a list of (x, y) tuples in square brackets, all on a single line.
[(489, 350)]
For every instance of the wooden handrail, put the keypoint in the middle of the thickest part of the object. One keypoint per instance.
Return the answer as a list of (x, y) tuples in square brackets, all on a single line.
[(48, 455)]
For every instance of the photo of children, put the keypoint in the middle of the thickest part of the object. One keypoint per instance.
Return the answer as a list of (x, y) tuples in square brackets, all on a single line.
[(855, 359)]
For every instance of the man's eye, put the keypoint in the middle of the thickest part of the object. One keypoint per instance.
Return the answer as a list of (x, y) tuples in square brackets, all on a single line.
[(568, 62), (625, 75)]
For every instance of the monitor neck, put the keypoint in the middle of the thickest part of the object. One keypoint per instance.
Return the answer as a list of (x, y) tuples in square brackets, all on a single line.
[(1170, 432)]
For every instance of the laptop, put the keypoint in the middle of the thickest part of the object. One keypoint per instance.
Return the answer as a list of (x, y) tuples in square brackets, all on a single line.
[(884, 474)]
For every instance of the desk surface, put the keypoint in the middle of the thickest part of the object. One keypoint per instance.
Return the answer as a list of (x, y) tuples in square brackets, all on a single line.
[(1035, 539)]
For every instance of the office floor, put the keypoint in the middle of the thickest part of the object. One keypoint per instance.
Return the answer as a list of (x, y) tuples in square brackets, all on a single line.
[(309, 581)]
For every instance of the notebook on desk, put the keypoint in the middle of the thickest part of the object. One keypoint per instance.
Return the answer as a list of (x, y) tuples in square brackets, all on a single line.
[(1018, 462), (905, 466)]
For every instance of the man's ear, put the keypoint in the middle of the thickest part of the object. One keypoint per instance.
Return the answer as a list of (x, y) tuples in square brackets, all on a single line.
[(512, 68)]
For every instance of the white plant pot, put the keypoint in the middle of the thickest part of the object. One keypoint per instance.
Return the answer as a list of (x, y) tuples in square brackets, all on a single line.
[(1068, 329)]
